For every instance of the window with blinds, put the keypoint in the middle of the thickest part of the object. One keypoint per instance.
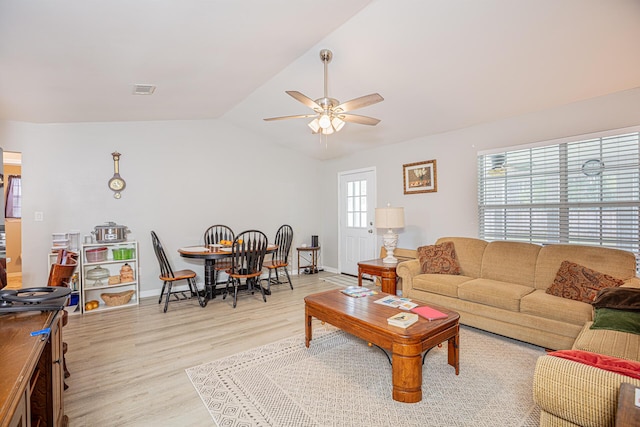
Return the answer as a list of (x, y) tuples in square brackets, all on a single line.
[(583, 192)]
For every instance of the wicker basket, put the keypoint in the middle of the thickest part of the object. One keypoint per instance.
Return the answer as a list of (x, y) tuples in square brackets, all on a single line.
[(120, 298)]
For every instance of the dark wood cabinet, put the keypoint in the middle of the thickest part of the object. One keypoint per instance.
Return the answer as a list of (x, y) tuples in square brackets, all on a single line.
[(31, 384)]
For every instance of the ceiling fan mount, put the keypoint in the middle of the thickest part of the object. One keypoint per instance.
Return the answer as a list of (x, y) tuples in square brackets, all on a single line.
[(329, 114)]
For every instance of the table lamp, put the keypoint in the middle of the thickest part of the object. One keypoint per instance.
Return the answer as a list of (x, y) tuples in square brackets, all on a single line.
[(390, 218)]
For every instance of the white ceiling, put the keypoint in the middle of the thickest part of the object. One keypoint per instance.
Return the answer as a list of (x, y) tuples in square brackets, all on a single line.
[(440, 65)]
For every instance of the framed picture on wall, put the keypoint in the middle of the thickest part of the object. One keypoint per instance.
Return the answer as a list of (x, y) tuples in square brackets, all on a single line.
[(420, 177)]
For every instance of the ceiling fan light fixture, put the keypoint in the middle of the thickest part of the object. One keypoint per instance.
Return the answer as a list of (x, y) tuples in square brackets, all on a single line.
[(329, 114), (324, 121), (337, 123), (315, 127)]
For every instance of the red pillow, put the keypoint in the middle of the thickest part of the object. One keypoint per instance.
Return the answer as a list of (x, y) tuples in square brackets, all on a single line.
[(626, 367)]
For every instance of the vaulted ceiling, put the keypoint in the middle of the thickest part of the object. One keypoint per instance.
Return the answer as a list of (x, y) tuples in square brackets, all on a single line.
[(440, 65)]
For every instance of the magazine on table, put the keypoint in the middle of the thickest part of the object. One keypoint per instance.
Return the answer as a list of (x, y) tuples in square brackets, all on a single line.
[(358, 291), (397, 302)]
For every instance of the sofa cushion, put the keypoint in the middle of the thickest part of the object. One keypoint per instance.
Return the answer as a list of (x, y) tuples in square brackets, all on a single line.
[(512, 262), (494, 293), (469, 252), (617, 320), (614, 262), (618, 298), (541, 304), (577, 282), (439, 259), (608, 363), (611, 343), (442, 284)]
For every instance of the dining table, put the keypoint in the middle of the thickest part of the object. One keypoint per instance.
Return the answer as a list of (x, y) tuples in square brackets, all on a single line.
[(210, 254)]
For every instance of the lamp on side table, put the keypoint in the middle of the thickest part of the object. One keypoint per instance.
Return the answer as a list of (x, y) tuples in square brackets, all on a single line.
[(390, 218)]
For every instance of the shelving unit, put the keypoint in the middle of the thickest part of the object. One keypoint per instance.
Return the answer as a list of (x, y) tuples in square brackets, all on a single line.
[(91, 291), (75, 306)]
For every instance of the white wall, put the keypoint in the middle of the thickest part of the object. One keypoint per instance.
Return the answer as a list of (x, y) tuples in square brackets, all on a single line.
[(185, 175), (452, 211), (182, 176)]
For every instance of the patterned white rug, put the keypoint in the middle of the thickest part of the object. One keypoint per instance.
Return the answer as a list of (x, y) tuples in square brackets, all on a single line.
[(344, 280), (340, 381)]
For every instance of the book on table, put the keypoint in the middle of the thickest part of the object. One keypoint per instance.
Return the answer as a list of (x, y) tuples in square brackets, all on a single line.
[(429, 313), (358, 291), (403, 319)]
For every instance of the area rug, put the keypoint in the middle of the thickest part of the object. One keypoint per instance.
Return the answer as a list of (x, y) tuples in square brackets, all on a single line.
[(341, 381), (344, 280)]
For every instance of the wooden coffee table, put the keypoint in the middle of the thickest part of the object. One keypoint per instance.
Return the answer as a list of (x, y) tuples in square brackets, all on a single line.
[(367, 320)]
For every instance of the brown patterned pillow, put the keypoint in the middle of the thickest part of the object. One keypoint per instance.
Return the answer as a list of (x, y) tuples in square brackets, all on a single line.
[(574, 281), (439, 259)]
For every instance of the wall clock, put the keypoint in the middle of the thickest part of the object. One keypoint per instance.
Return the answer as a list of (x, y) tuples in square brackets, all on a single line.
[(593, 167), (116, 183)]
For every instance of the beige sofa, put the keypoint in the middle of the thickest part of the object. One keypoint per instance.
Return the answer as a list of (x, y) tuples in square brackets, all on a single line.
[(502, 286)]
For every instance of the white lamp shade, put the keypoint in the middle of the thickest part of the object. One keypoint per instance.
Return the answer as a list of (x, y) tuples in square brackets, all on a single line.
[(389, 217)]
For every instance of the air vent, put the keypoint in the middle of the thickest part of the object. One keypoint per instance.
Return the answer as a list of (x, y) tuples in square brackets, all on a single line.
[(143, 89)]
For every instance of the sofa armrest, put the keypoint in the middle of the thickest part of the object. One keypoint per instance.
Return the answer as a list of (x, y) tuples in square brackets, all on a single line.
[(579, 393), (407, 270), (634, 282)]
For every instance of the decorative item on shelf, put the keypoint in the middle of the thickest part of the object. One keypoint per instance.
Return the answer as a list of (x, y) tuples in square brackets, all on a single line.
[(114, 280), (110, 233), (116, 299), (116, 183), (390, 218), (97, 275), (96, 254), (126, 274), (74, 240)]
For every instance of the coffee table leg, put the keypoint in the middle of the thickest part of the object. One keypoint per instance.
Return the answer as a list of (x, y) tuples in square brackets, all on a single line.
[(407, 377), (453, 353), (307, 327)]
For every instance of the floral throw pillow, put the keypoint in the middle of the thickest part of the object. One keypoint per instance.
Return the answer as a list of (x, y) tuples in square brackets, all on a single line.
[(439, 259), (577, 282)]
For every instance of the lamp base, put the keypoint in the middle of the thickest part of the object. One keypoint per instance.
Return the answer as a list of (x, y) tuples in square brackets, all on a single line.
[(390, 241)]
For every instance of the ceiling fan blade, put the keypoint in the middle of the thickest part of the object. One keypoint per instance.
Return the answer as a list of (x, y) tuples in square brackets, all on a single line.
[(298, 116), (304, 99), (360, 102), (362, 120)]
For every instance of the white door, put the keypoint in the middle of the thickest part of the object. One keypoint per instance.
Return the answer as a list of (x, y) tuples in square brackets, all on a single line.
[(357, 200)]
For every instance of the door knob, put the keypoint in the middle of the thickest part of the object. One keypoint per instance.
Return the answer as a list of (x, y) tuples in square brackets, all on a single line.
[(370, 231)]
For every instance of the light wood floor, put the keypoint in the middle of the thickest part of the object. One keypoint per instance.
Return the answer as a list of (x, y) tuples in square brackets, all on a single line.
[(128, 366)]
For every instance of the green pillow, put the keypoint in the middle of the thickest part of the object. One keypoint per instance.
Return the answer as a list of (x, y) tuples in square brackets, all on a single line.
[(617, 320)]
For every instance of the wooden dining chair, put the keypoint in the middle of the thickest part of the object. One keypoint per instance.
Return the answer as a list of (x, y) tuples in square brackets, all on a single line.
[(280, 258), (60, 274), (247, 257), (168, 277), (214, 235)]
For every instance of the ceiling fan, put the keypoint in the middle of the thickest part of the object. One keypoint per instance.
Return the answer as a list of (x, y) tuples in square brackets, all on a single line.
[(329, 114)]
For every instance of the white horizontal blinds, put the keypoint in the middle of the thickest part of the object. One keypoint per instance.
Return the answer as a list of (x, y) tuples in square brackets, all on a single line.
[(584, 192)]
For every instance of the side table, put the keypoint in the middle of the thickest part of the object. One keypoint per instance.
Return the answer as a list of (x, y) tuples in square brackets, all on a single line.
[(628, 413), (313, 260), (386, 272)]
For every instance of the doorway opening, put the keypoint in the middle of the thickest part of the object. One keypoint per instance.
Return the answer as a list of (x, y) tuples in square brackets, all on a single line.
[(12, 223)]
